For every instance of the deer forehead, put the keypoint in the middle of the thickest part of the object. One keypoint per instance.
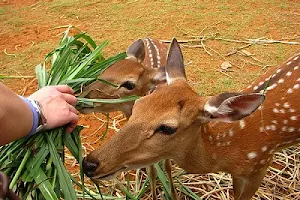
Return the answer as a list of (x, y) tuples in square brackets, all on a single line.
[(167, 103), (123, 70)]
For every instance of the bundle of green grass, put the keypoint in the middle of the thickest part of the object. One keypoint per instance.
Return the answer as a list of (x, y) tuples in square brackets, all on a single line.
[(36, 164)]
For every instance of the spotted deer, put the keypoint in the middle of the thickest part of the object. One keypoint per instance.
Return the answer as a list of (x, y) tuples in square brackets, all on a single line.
[(139, 74), (237, 133)]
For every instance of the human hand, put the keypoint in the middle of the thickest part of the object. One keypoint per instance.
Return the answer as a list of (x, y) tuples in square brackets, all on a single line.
[(57, 104)]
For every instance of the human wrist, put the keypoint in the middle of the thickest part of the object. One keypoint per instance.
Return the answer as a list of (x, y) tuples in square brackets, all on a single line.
[(38, 120)]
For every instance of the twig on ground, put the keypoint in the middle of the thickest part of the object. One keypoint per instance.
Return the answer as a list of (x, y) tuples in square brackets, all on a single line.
[(238, 49), (224, 73), (27, 86), (59, 27), (9, 54)]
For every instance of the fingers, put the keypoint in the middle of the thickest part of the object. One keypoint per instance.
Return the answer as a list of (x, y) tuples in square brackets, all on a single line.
[(64, 89), (70, 99), (72, 124), (72, 109)]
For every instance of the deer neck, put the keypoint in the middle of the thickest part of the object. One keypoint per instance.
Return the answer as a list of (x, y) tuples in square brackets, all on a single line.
[(197, 156)]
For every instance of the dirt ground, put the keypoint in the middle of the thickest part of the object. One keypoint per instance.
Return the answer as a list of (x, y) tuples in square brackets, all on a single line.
[(29, 29)]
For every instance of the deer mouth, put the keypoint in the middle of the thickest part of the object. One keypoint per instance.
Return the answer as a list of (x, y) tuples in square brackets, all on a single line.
[(115, 173), (110, 175)]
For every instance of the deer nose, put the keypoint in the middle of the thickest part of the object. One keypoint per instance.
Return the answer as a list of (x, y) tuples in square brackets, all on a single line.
[(89, 167)]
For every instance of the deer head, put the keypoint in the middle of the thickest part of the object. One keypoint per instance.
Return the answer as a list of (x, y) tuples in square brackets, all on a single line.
[(172, 122), (138, 74)]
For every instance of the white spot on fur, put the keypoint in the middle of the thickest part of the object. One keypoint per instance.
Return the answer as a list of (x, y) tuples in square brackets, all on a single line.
[(289, 63), (281, 80), (297, 67), (294, 118), (277, 104), (286, 105), (255, 88), (230, 133), (290, 90), (274, 122), (284, 128), (275, 110), (296, 58), (262, 162), (273, 127), (292, 110), (157, 53), (260, 83), (278, 70), (291, 129), (261, 129), (289, 73), (242, 124), (272, 86), (296, 86), (264, 148), (252, 155), (282, 111)]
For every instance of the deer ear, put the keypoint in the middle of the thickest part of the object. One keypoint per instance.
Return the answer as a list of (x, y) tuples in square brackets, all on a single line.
[(230, 107), (136, 51), (175, 65)]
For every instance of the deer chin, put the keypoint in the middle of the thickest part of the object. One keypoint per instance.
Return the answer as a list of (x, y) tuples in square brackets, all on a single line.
[(112, 175)]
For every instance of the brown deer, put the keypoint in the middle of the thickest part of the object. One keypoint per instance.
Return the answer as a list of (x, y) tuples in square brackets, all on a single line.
[(175, 122), (139, 74)]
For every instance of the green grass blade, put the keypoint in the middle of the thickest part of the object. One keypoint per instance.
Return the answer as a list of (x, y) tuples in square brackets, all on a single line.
[(64, 179), (20, 169), (164, 180), (82, 101), (44, 185), (42, 75)]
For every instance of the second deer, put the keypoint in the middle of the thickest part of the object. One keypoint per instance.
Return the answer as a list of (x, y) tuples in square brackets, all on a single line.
[(138, 74), (175, 122)]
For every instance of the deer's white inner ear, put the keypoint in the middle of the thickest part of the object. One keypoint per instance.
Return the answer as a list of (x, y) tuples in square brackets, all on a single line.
[(233, 107), (168, 78), (209, 108)]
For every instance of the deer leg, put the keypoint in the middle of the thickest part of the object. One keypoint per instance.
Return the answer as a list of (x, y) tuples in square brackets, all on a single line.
[(152, 173), (245, 187), (168, 170)]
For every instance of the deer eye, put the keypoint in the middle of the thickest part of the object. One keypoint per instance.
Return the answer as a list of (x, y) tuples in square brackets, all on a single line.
[(128, 85), (168, 130)]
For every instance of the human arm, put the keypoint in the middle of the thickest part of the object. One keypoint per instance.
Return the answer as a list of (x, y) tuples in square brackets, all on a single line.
[(16, 117)]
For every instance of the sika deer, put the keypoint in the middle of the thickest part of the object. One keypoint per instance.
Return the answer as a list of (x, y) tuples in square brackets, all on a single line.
[(139, 74), (175, 122)]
